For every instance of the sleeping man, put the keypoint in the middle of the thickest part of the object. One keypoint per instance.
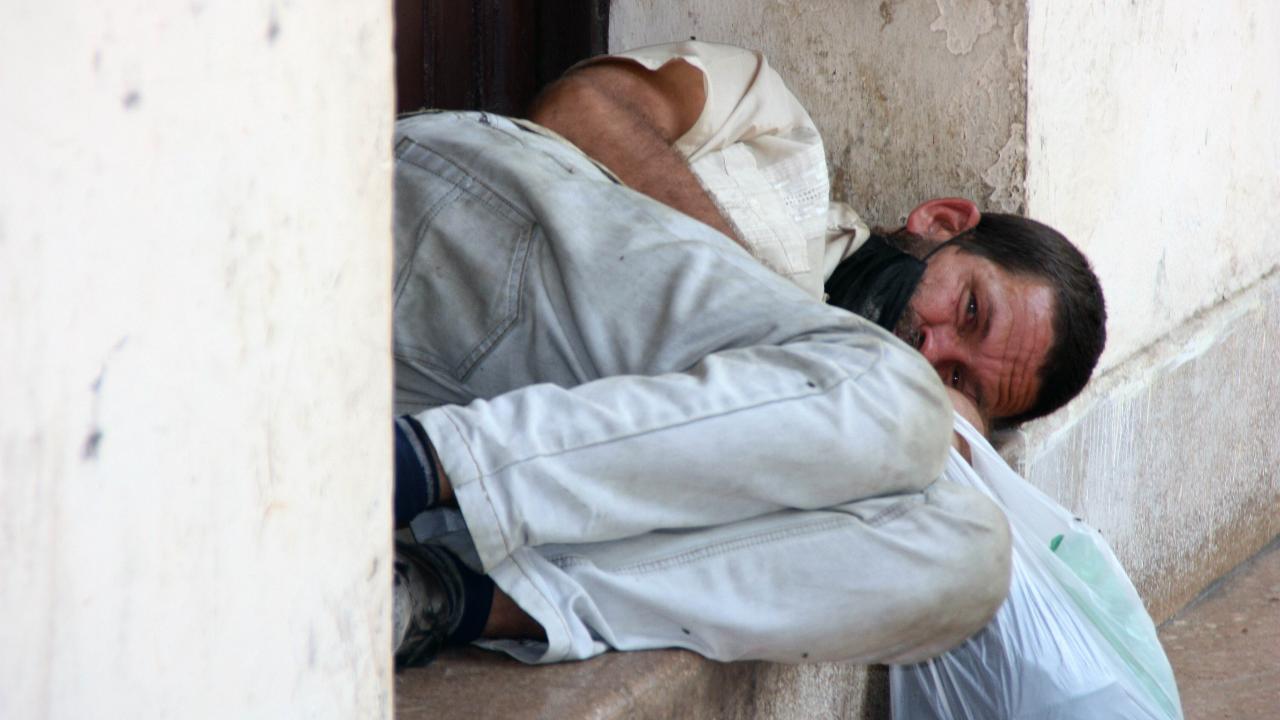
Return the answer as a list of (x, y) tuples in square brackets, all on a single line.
[(627, 419)]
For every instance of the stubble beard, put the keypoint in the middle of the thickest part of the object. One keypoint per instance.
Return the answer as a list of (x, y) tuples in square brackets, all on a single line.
[(907, 329)]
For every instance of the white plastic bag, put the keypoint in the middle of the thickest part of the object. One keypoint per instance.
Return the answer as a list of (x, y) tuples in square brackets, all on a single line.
[(1073, 640)]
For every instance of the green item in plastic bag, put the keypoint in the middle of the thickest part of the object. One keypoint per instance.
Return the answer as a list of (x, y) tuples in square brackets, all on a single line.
[(1116, 610)]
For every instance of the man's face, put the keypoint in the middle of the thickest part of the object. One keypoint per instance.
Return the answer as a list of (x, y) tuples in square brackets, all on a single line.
[(985, 331)]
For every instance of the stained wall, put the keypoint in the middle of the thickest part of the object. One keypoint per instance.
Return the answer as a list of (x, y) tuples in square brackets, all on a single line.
[(194, 369), (1152, 143), (914, 99)]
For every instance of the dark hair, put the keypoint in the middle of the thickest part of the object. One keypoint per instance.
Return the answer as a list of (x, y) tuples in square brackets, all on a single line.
[(1022, 246)]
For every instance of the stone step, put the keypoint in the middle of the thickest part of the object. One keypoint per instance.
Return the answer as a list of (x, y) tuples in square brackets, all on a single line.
[(468, 683), (1224, 647)]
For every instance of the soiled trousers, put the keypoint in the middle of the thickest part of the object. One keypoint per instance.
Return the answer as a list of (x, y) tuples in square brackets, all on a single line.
[(654, 440)]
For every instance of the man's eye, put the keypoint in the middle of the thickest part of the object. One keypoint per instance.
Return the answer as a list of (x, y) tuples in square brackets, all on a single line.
[(955, 378), (971, 310)]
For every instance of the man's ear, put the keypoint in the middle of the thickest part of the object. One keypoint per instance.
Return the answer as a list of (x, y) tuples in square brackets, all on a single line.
[(941, 219)]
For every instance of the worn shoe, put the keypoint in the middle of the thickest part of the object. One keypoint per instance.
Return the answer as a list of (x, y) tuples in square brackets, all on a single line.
[(428, 602)]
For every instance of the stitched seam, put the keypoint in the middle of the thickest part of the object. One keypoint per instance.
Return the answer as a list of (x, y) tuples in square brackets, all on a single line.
[(416, 359), (682, 423), (565, 562), (729, 546), (515, 276), (608, 174), (469, 178), (555, 611), (895, 511), (519, 263), (502, 532), (420, 233), (511, 314), (506, 541)]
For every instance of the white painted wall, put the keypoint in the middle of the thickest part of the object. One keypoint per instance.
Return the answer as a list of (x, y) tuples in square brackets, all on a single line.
[(194, 376), (1154, 142)]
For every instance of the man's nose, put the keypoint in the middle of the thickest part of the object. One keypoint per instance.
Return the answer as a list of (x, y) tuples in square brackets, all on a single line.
[(941, 348)]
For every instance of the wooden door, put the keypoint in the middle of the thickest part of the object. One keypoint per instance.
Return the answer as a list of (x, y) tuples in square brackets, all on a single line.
[(490, 55)]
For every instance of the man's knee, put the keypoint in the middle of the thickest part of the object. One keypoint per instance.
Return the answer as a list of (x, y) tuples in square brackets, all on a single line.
[(905, 419), (966, 579)]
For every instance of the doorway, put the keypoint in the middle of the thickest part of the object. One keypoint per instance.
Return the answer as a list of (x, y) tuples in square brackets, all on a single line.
[(492, 55)]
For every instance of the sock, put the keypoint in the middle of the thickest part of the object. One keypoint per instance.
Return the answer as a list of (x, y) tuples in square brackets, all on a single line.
[(477, 593), (417, 482)]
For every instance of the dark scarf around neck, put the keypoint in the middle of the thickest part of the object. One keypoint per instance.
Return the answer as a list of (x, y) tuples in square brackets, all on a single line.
[(876, 282)]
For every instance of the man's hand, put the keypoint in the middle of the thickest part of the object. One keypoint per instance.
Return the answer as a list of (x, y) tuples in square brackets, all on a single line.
[(963, 405), (627, 118)]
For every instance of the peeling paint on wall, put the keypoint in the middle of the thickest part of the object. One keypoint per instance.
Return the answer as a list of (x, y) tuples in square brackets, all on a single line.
[(1007, 175), (964, 21), (903, 117)]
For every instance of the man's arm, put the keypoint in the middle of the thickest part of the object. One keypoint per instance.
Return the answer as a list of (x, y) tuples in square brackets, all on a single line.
[(628, 118)]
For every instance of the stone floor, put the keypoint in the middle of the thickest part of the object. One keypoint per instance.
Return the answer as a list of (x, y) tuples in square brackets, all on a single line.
[(1225, 646)]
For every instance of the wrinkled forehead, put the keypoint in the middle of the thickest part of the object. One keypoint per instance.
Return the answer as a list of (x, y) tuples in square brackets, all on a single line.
[(1029, 307)]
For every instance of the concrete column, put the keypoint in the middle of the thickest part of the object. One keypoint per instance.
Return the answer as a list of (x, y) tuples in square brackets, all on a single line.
[(194, 367)]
